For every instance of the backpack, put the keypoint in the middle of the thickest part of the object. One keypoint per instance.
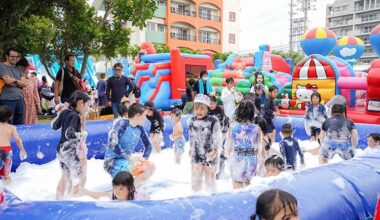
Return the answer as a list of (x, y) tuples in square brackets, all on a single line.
[(137, 92)]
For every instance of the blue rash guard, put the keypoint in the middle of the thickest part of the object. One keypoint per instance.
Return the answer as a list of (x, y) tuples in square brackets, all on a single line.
[(122, 142)]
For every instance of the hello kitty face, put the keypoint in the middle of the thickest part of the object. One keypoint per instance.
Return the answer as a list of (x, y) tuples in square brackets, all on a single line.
[(303, 94)]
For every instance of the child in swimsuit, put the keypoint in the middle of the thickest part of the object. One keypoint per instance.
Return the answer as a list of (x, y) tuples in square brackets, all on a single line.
[(177, 136)]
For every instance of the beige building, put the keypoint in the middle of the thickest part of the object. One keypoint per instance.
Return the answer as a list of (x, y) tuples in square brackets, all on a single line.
[(355, 18)]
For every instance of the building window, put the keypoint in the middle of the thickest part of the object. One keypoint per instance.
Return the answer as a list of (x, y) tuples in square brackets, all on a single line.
[(231, 38), (161, 2), (232, 16), (151, 26), (161, 27)]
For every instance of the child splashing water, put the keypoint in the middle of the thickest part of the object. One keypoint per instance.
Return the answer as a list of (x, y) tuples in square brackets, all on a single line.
[(205, 142), (126, 135), (177, 136), (246, 140), (72, 150)]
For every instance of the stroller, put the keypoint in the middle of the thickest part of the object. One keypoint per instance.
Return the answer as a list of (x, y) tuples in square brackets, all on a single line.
[(47, 94)]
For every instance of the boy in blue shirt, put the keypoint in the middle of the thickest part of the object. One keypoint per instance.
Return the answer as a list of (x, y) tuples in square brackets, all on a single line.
[(289, 148)]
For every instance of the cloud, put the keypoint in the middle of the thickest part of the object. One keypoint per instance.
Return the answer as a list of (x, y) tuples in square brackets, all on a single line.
[(347, 52)]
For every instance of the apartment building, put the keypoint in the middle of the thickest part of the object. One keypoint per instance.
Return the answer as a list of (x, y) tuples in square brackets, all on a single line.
[(207, 25), (355, 18)]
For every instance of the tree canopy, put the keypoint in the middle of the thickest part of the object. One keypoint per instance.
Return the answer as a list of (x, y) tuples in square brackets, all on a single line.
[(52, 28)]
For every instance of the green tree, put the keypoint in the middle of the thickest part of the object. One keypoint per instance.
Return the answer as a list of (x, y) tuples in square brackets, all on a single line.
[(294, 55), (51, 28), (221, 56)]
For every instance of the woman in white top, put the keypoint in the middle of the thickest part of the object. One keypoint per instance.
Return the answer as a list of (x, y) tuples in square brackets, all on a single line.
[(229, 98)]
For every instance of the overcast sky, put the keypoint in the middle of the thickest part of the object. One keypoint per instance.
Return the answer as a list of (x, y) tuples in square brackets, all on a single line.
[(267, 22)]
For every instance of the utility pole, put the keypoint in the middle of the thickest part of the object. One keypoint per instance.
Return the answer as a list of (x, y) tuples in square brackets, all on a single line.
[(291, 13), (298, 21)]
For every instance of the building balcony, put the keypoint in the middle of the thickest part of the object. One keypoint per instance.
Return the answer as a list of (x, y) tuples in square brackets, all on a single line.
[(207, 40), (343, 24), (160, 11), (359, 10), (209, 17), (155, 36), (185, 37), (180, 11)]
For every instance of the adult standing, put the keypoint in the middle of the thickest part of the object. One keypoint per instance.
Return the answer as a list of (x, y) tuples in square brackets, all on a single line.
[(101, 87), (204, 86), (338, 136), (29, 94), (67, 79), (14, 81), (117, 87)]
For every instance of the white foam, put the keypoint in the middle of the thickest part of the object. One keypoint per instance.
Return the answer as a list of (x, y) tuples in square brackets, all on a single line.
[(38, 182)]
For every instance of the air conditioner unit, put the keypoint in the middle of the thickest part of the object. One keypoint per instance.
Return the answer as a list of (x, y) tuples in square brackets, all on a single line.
[(172, 9), (172, 34)]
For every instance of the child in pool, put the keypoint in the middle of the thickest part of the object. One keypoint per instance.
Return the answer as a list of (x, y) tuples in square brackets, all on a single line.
[(205, 142), (125, 136), (289, 148), (315, 116), (123, 188), (270, 111), (246, 141), (156, 126), (276, 204), (7, 133), (177, 136), (71, 149), (274, 165)]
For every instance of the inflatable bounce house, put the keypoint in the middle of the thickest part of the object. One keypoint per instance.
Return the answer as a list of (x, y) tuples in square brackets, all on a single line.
[(333, 75), (162, 77), (334, 191)]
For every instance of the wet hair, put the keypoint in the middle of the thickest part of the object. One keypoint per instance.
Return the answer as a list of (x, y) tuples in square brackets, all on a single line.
[(149, 105), (262, 123), (256, 75), (276, 161), (67, 57), (375, 136), (76, 96), (125, 178), (272, 88), (271, 202), (135, 109), (102, 75), (287, 129), (245, 111), (317, 95), (23, 62), (191, 82), (118, 65), (212, 98), (5, 113), (229, 80), (203, 72), (176, 112), (8, 51), (122, 110), (337, 108)]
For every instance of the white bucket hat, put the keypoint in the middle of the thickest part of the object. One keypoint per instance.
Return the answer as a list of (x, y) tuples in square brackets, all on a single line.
[(204, 99)]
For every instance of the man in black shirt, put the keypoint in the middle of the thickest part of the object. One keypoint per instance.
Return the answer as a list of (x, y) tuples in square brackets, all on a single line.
[(68, 84), (117, 87)]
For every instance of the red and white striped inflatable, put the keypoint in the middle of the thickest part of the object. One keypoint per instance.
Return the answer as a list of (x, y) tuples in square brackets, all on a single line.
[(313, 68)]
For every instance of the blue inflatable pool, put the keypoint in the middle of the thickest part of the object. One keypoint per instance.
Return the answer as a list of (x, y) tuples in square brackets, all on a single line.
[(345, 190)]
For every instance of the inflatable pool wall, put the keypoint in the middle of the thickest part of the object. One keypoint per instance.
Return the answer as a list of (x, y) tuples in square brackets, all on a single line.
[(335, 191), (41, 141)]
